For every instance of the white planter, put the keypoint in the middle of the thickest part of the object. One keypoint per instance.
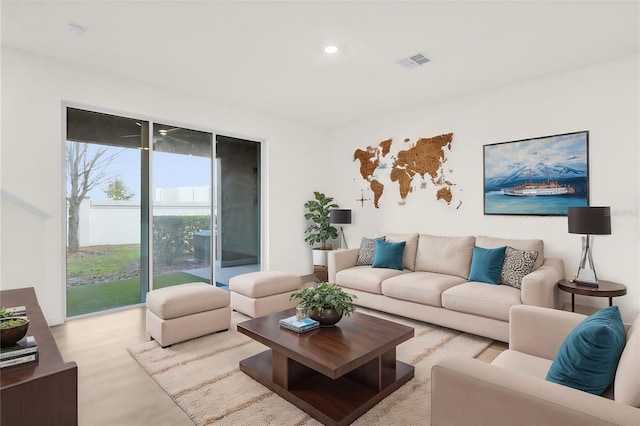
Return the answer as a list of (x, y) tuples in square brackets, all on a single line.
[(319, 256)]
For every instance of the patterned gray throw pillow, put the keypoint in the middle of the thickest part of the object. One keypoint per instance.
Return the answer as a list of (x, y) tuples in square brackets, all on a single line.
[(516, 265), (367, 250)]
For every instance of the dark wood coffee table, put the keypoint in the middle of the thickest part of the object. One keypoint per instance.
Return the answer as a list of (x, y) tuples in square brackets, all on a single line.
[(335, 374)]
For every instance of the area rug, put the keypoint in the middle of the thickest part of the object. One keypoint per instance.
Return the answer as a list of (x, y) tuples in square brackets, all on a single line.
[(202, 376)]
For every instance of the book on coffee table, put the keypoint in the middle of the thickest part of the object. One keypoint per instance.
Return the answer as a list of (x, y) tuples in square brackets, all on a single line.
[(299, 326)]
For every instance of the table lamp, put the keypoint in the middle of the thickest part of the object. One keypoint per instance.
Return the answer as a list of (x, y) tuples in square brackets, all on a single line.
[(588, 221), (340, 217)]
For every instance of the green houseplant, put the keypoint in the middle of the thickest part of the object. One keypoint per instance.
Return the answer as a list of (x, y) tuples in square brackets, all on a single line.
[(320, 229), (325, 303)]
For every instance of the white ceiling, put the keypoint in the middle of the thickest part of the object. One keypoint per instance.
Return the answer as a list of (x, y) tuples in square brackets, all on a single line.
[(268, 56)]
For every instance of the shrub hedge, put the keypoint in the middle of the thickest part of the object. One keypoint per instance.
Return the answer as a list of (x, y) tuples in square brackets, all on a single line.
[(173, 235)]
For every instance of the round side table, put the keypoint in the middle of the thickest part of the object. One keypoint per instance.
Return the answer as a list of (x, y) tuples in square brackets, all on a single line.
[(605, 289)]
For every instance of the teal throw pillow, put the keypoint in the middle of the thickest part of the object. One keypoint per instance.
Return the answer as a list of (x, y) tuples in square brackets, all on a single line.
[(486, 264), (588, 357), (388, 255)]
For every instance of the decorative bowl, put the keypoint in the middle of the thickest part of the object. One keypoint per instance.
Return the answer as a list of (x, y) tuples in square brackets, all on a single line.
[(12, 329), (326, 317)]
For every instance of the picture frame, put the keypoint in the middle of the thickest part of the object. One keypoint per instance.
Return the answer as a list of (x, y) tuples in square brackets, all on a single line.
[(541, 176)]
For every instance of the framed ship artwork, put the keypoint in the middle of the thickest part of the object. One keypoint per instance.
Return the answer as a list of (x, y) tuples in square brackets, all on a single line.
[(542, 176)]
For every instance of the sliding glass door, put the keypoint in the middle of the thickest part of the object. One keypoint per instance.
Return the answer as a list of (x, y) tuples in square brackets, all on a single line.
[(105, 204), (181, 207), (138, 218), (142, 213)]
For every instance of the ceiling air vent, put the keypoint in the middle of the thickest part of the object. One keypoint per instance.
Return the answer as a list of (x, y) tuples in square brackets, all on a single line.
[(413, 61)]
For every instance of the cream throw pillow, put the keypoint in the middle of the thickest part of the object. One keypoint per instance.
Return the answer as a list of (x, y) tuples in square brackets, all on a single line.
[(445, 255)]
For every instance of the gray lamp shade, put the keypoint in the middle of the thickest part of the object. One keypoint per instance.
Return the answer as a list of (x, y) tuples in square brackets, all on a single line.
[(589, 220), (340, 216)]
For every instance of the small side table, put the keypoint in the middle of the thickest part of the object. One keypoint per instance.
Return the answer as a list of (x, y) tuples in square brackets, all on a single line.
[(605, 289)]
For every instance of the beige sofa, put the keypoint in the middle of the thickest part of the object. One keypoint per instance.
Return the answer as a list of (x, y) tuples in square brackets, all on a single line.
[(433, 286), (513, 390)]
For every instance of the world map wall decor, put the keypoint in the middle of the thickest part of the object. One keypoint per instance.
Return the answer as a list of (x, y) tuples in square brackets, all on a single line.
[(425, 158)]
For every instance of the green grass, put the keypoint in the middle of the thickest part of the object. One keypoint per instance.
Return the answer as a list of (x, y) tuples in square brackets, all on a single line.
[(102, 261), (88, 298)]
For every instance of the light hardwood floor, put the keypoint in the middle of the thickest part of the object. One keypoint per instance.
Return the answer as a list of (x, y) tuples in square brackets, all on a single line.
[(112, 388)]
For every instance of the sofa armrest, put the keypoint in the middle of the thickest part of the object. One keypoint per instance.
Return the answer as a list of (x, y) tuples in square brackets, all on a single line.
[(338, 260), (540, 331), (540, 287), (467, 391)]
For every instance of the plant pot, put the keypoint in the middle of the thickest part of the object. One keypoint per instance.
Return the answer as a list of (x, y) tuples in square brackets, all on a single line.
[(10, 335), (320, 256), (326, 317)]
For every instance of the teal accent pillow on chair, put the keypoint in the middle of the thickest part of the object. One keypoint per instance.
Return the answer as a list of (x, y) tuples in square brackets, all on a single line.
[(588, 357), (389, 255), (486, 264)]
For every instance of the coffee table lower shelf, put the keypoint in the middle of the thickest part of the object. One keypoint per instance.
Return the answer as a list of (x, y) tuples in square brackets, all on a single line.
[(332, 402)]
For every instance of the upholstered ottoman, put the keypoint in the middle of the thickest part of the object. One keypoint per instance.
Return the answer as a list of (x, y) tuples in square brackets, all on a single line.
[(261, 293), (186, 311)]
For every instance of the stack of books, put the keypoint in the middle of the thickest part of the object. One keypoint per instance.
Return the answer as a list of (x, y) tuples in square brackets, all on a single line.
[(25, 350), (299, 326)]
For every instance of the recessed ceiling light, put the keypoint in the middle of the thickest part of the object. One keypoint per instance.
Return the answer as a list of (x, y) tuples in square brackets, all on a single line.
[(75, 28), (330, 49)]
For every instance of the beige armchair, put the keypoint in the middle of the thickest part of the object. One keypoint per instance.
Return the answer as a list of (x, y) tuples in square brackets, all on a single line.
[(512, 390)]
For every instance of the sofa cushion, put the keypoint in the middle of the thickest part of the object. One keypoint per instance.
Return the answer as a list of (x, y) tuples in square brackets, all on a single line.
[(186, 299), (388, 255), (420, 287), (367, 250), (588, 357), (445, 255), (517, 264), (263, 283), (410, 248), (486, 265), (626, 388), (521, 362), (492, 301), (365, 278), (524, 245)]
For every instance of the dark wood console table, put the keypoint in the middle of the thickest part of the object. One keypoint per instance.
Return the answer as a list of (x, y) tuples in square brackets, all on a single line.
[(44, 392)]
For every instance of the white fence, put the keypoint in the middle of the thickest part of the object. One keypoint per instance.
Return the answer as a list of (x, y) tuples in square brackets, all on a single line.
[(118, 222)]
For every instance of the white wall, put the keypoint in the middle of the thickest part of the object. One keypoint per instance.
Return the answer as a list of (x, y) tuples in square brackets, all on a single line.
[(32, 165), (602, 99), (118, 221)]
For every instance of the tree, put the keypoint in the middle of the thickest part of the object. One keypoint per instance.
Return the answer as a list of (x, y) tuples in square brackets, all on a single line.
[(117, 190), (85, 171)]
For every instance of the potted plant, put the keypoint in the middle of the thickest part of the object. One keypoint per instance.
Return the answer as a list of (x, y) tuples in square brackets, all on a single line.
[(326, 303), (320, 229)]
